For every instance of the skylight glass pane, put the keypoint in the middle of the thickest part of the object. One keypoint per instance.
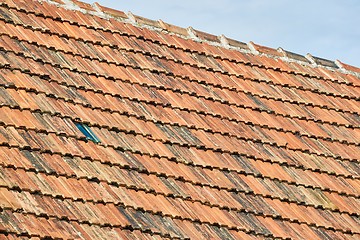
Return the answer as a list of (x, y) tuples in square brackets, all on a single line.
[(89, 134)]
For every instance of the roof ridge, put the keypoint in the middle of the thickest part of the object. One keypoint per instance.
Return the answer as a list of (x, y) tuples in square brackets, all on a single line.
[(190, 33)]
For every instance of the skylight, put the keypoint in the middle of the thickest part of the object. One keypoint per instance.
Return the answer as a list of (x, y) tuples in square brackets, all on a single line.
[(89, 134)]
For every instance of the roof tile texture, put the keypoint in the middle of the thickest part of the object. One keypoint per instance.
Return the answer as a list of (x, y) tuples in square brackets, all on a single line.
[(198, 141)]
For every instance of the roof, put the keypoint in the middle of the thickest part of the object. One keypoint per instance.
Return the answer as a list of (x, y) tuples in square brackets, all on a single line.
[(114, 126)]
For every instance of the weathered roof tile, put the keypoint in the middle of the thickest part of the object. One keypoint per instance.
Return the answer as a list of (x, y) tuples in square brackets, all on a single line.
[(206, 36), (147, 21), (112, 12), (236, 43), (322, 61), (348, 67), (294, 56), (83, 5), (264, 49), (173, 29)]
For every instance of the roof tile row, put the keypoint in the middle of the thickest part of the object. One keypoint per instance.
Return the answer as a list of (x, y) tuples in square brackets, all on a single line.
[(85, 117), (139, 202)]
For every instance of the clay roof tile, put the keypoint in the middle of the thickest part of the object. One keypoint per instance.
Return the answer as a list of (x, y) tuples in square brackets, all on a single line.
[(173, 28), (112, 12)]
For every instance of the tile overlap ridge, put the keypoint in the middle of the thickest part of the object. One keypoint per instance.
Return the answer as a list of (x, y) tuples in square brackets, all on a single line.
[(192, 34)]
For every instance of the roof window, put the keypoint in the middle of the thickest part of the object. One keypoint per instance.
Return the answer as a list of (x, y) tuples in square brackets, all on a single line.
[(89, 134)]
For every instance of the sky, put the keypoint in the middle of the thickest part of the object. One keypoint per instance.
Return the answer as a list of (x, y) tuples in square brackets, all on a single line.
[(328, 29)]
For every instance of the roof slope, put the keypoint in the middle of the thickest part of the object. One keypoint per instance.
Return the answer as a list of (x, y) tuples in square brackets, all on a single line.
[(200, 136)]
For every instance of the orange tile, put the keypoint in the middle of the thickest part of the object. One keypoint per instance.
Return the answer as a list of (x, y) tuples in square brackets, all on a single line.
[(264, 49)]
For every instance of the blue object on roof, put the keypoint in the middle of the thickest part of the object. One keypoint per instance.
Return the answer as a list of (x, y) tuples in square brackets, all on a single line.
[(89, 134)]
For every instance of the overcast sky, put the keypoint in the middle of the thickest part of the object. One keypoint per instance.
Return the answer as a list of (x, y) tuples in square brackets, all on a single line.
[(325, 28)]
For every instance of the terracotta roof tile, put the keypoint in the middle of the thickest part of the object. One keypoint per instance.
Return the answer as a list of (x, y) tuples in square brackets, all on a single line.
[(173, 29), (83, 5), (146, 21), (322, 61), (236, 43), (58, 1), (294, 56), (206, 36), (194, 135), (113, 12), (349, 67), (264, 49)]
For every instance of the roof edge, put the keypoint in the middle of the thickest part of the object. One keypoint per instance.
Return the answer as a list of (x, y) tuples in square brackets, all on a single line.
[(199, 36)]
